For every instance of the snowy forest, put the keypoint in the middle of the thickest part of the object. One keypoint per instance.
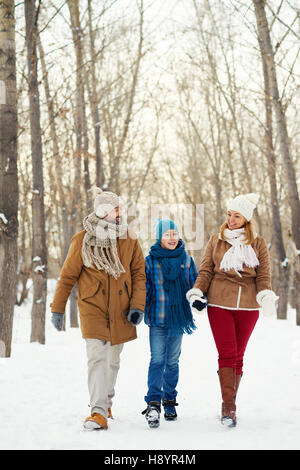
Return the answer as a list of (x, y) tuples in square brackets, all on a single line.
[(162, 102)]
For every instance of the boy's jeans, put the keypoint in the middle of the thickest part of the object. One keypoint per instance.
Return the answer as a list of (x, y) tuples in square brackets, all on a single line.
[(164, 365)]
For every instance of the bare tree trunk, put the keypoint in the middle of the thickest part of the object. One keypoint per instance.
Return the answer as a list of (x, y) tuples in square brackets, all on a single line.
[(268, 53), (227, 94), (39, 252), (56, 158), (81, 139), (8, 176), (267, 50), (25, 241), (81, 120), (115, 180), (293, 255), (283, 265), (74, 221), (94, 102)]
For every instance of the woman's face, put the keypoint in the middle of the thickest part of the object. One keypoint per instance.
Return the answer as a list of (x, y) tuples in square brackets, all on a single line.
[(169, 240), (235, 220)]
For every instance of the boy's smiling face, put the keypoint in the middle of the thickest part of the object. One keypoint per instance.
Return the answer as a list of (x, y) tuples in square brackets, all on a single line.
[(169, 240)]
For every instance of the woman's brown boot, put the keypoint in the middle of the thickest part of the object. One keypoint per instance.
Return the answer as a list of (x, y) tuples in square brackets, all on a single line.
[(227, 379), (237, 384)]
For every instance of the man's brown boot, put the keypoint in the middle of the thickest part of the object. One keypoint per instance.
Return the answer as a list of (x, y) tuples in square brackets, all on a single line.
[(96, 421), (227, 379)]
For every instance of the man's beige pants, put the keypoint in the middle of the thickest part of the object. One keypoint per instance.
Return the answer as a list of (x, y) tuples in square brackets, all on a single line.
[(103, 367)]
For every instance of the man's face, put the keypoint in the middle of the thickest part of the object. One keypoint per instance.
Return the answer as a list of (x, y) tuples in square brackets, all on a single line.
[(114, 216)]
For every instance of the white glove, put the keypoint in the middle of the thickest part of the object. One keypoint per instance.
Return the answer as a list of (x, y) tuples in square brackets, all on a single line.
[(194, 295), (267, 300)]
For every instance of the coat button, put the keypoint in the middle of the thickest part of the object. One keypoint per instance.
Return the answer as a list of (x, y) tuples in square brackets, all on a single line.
[(120, 292)]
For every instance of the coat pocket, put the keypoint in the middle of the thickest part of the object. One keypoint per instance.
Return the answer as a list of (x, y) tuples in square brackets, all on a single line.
[(127, 290), (91, 291), (124, 317)]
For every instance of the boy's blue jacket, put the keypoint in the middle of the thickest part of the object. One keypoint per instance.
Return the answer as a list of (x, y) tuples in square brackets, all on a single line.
[(157, 298)]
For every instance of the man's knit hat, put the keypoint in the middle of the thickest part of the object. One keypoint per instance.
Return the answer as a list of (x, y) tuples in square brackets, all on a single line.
[(104, 202), (162, 225), (244, 204)]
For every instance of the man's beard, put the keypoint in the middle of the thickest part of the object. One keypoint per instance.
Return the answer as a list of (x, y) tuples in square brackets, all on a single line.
[(117, 220)]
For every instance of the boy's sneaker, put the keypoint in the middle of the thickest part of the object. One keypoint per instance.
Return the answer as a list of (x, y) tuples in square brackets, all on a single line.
[(170, 412), (152, 413)]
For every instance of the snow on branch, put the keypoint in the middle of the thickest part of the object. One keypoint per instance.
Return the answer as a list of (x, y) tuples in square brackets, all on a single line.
[(3, 218), (39, 269)]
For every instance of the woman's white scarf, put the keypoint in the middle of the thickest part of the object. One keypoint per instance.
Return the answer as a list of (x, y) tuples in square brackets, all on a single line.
[(239, 253), (99, 247)]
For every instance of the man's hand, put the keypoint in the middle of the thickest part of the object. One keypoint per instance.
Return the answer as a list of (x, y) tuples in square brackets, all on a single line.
[(135, 316), (57, 320)]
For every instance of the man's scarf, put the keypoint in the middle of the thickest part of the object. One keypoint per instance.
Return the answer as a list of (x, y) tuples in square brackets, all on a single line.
[(99, 247)]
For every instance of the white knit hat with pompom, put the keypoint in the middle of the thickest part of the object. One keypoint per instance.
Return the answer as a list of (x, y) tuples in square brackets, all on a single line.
[(244, 204), (104, 202)]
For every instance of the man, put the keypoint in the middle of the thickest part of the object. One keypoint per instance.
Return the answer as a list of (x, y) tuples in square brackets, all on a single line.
[(107, 262)]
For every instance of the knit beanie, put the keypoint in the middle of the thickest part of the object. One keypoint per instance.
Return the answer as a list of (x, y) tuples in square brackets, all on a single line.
[(104, 202), (244, 204), (162, 226)]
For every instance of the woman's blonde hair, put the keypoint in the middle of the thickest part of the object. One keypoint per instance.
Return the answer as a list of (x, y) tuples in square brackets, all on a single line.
[(250, 230)]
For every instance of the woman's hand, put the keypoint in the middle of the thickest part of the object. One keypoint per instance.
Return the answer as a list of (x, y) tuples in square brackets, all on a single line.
[(197, 300), (267, 300)]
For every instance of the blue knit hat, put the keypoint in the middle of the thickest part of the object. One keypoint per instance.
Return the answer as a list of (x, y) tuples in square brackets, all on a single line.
[(162, 225)]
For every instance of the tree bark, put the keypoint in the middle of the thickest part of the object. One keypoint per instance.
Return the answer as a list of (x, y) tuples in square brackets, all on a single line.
[(267, 51), (80, 113), (282, 262), (39, 251), (94, 103), (56, 158), (290, 176), (115, 174), (81, 141), (8, 176)]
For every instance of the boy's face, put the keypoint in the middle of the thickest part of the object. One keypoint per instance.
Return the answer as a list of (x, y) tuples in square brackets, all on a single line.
[(169, 240)]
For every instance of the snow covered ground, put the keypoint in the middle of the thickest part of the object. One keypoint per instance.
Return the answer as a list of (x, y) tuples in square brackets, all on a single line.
[(44, 395)]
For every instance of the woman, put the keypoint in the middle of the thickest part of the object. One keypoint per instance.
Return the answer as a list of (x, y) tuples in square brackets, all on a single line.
[(170, 274), (235, 276)]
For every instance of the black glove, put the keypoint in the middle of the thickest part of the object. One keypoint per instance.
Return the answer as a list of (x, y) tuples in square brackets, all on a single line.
[(198, 305), (57, 320), (135, 316), (196, 299)]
